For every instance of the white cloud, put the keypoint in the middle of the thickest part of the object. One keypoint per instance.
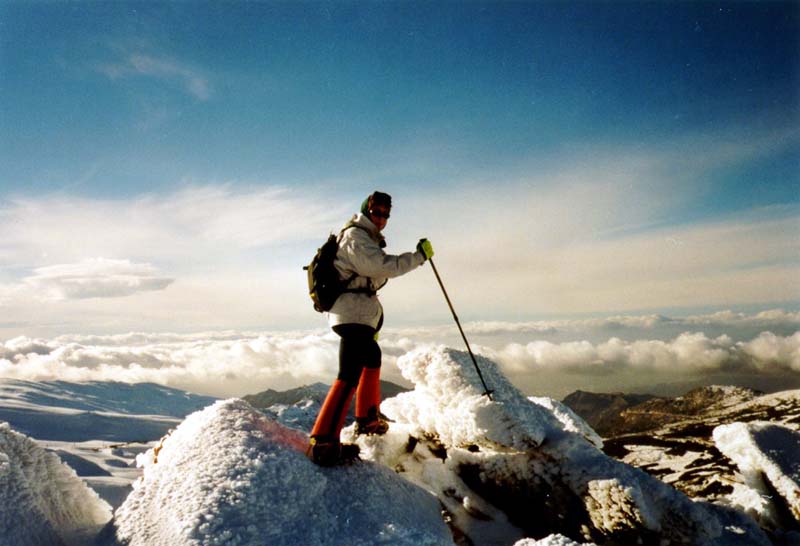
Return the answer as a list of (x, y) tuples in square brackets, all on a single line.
[(247, 218), (236, 363), (235, 253), (95, 278), (514, 266), (687, 352), (589, 233), (594, 230), (190, 78), (195, 224), (769, 351)]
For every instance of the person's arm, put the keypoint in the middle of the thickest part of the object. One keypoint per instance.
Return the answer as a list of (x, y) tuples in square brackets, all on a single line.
[(369, 260)]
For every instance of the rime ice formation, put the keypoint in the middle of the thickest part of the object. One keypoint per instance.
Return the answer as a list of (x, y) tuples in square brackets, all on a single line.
[(230, 475), (510, 468), (42, 500)]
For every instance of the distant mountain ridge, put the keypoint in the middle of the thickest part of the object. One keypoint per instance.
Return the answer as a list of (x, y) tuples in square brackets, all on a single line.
[(602, 410), (619, 413), (315, 392), (659, 412), (299, 407), (105, 396)]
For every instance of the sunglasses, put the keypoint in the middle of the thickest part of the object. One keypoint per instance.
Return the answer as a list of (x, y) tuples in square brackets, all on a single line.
[(379, 214)]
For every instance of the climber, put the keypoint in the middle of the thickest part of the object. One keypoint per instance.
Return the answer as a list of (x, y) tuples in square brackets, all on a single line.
[(356, 317)]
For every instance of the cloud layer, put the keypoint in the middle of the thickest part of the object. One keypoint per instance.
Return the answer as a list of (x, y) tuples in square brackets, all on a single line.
[(238, 363), (737, 325), (689, 352)]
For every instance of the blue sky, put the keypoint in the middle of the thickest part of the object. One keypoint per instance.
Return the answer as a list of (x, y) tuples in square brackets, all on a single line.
[(171, 166)]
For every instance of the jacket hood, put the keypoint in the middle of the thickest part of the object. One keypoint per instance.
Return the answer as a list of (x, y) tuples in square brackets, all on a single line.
[(363, 221)]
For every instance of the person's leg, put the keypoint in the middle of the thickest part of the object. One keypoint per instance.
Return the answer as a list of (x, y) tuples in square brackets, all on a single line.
[(333, 412), (369, 419), (368, 395), (325, 448), (360, 358)]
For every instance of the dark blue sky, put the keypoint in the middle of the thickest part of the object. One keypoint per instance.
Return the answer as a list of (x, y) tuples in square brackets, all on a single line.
[(292, 92)]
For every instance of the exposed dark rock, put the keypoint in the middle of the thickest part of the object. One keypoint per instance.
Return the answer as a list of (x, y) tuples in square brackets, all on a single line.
[(602, 410)]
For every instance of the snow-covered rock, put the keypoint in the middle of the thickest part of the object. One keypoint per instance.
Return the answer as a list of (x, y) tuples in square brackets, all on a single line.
[(552, 540), (230, 475), (768, 458), (571, 421), (42, 500), (509, 468), (448, 399)]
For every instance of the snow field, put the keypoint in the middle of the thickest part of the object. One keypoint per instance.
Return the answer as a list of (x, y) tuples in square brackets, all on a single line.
[(552, 540)]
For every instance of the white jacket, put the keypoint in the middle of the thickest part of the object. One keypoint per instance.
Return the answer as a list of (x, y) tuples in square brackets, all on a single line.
[(360, 252)]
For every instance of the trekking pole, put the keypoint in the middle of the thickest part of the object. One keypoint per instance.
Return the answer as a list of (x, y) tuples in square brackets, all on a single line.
[(486, 390)]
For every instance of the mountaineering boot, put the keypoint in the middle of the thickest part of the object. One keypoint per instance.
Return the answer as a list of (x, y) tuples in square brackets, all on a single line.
[(375, 423), (324, 447), (331, 453), (369, 419), (348, 454)]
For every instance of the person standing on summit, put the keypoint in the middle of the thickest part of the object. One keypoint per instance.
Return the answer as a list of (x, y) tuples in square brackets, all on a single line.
[(357, 316)]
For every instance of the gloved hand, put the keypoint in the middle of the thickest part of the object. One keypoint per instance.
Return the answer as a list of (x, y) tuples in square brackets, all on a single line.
[(426, 248)]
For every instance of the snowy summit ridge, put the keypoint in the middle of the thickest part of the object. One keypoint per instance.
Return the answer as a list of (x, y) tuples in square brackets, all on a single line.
[(229, 475), (456, 467), (502, 469)]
